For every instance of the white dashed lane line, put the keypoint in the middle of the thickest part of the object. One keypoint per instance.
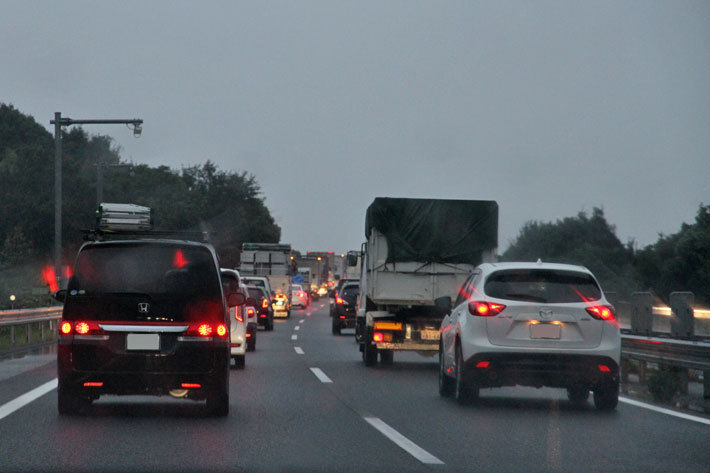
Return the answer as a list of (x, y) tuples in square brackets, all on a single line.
[(298, 350), (321, 375), (297, 327), (301, 321), (294, 337), (403, 442)]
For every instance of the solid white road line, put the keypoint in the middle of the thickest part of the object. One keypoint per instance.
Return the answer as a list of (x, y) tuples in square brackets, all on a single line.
[(403, 442), (321, 376), (663, 410), (297, 327), (23, 400), (298, 350), (294, 337)]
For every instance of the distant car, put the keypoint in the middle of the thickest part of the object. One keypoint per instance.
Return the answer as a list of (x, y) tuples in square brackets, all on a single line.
[(281, 306), (252, 324), (238, 325), (322, 290), (299, 297), (531, 324), (262, 304), (335, 291), (259, 281), (345, 307), (144, 317)]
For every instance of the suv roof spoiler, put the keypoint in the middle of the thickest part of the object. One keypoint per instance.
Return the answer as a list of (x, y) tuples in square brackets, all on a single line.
[(106, 235)]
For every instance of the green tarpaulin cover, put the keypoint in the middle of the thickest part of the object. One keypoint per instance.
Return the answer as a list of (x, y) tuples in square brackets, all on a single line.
[(434, 230)]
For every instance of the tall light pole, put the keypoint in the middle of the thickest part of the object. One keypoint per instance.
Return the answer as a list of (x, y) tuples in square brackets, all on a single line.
[(58, 123)]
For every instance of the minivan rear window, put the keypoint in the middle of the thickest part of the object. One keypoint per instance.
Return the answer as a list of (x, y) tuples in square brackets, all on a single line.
[(541, 285), (114, 282)]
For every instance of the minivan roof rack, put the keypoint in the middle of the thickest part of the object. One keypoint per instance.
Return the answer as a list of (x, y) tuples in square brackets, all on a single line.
[(105, 235)]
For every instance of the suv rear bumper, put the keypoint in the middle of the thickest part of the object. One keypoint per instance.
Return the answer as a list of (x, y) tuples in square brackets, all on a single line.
[(541, 369)]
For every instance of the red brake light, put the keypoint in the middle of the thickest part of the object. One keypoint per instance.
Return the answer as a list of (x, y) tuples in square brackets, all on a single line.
[(264, 303), (191, 385), (604, 369), (338, 300), (485, 309), (250, 311), (221, 330), (601, 312), (65, 328), (205, 330), (82, 328), (93, 384), (483, 364), (378, 337), (238, 314)]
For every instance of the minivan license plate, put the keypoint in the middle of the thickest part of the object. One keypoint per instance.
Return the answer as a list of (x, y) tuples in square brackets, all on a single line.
[(142, 341), (545, 331)]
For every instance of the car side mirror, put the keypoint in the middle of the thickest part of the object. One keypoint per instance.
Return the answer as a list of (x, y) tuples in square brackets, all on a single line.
[(235, 299), (61, 295), (251, 301), (443, 304)]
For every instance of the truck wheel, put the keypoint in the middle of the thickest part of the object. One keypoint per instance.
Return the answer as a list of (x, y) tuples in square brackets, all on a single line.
[(336, 326), (446, 383), (369, 354), (465, 391), (387, 357)]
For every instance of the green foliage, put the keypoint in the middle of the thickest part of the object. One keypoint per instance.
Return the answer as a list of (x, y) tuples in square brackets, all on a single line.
[(581, 240), (663, 383), (679, 262), (228, 205)]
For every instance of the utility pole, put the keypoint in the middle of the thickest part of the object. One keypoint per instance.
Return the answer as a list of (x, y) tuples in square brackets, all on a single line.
[(58, 123)]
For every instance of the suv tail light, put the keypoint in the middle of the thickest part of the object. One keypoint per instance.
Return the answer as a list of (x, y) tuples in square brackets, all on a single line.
[(485, 309), (250, 312), (601, 312), (264, 303), (338, 300)]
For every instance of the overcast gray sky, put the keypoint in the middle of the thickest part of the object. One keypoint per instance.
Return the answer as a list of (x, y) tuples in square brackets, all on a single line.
[(549, 107)]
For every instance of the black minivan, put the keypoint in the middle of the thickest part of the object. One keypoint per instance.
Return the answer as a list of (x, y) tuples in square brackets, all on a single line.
[(145, 317)]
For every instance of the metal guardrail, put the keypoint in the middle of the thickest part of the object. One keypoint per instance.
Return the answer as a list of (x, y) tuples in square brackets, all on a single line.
[(21, 322), (689, 354)]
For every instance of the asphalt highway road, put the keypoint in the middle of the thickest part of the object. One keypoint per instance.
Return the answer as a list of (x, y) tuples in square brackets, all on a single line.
[(306, 402)]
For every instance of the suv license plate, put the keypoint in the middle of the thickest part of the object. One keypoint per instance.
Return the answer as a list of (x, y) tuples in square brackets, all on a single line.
[(430, 334), (143, 341), (551, 331)]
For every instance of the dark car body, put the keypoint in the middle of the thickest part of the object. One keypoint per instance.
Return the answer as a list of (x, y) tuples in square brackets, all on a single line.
[(345, 307), (144, 317), (265, 313)]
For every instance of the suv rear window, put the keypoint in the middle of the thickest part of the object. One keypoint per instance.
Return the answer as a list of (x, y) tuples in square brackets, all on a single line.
[(111, 280), (256, 292), (545, 286), (351, 291)]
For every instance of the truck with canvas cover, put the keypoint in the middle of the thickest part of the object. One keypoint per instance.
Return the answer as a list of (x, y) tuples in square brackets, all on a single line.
[(417, 251)]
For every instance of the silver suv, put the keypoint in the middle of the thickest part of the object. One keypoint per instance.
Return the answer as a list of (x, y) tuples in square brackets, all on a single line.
[(531, 324)]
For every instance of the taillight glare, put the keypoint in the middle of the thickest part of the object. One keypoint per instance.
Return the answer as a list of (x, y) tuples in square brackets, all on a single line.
[(485, 309)]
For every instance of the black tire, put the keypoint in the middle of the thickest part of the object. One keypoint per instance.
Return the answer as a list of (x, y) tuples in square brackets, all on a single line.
[(270, 324), (465, 391), (70, 403), (446, 383), (336, 326), (288, 314), (251, 344), (218, 402), (578, 394), (606, 397), (239, 361), (387, 357)]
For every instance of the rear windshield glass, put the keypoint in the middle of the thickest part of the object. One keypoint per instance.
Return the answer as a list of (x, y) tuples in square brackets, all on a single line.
[(256, 293), (114, 282), (546, 286), (351, 291)]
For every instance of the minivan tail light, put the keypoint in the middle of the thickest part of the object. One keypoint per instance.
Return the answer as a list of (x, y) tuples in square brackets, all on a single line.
[(221, 330), (601, 312), (238, 314), (205, 330), (485, 309), (65, 328)]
